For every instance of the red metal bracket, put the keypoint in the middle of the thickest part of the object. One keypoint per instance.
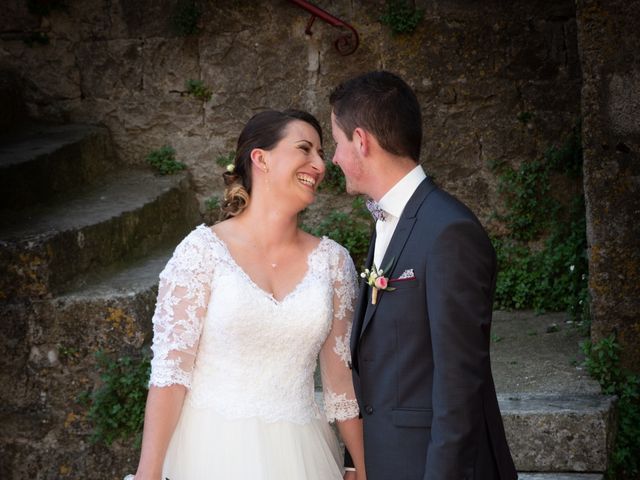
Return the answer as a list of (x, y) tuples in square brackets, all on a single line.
[(345, 44)]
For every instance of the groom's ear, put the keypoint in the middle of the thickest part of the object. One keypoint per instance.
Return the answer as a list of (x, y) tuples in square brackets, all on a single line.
[(362, 141)]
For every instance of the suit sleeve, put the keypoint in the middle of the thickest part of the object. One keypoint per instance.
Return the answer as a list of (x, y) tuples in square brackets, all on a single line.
[(460, 275)]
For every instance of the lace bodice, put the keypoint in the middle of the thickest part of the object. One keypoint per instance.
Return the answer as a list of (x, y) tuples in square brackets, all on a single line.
[(241, 351)]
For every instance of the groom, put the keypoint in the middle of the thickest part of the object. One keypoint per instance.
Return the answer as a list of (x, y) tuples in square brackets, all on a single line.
[(420, 346)]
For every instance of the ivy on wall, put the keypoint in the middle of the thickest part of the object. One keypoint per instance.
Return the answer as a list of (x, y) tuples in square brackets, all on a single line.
[(542, 260)]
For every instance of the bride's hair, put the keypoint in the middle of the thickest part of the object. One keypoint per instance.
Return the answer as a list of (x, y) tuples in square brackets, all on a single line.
[(264, 130)]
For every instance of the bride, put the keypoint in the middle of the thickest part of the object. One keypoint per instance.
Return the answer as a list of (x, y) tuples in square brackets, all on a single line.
[(244, 310)]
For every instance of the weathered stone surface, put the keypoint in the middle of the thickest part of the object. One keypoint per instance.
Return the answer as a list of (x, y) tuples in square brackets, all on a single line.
[(124, 67), (49, 73), (41, 161), (611, 142), (45, 247), (525, 358), (552, 432), (112, 68), (45, 430)]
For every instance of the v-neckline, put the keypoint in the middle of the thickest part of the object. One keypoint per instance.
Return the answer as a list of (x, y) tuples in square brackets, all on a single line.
[(250, 280)]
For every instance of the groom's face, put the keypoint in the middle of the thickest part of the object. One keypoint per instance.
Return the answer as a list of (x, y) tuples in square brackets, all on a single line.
[(347, 157)]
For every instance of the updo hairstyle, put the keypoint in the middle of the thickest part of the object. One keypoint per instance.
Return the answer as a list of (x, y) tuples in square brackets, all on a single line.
[(264, 130)]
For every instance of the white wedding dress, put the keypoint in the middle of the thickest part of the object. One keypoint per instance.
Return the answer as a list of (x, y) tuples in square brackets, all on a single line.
[(248, 362)]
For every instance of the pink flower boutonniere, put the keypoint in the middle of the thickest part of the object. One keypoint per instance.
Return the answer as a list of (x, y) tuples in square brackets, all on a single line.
[(377, 281)]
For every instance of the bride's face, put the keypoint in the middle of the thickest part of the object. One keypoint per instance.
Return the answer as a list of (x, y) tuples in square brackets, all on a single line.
[(296, 165)]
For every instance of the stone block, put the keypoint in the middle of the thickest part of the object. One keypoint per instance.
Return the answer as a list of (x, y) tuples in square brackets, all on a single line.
[(558, 433)]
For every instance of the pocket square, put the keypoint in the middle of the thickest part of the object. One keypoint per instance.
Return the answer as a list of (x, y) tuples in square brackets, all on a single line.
[(407, 274)]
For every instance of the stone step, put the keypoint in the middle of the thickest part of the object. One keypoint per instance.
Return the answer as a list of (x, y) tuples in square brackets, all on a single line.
[(559, 476), (551, 432), (39, 161), (52, 342), (129, 213), (52, 362)]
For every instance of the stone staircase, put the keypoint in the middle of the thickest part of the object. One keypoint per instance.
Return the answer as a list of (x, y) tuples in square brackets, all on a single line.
[(82, 241)]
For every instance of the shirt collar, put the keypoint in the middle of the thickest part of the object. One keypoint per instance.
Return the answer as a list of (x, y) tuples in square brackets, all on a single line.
[(394, 201)]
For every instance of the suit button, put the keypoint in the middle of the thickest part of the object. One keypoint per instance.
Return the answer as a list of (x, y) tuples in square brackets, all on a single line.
[(368, 409)]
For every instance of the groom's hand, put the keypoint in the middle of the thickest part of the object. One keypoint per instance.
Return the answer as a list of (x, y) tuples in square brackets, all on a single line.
[(351, 475)]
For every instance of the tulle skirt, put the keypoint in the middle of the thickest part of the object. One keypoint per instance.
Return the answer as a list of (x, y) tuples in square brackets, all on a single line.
[(207, 446)]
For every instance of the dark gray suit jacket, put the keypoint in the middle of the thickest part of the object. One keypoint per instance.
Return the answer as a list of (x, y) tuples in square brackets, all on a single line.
[(420, 356)]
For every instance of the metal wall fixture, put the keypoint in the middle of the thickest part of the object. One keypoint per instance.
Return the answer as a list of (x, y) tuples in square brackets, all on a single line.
[(346, 43)]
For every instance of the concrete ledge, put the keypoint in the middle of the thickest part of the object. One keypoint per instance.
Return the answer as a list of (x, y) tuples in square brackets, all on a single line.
[(558, 432)]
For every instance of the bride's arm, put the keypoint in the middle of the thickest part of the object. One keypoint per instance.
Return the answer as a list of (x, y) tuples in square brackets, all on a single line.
[(160, 418), (183, 296), (335, 356), (351, 433)]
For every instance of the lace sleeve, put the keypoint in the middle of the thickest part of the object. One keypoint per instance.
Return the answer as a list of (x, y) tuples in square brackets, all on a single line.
[(183, 295), (339, 397)]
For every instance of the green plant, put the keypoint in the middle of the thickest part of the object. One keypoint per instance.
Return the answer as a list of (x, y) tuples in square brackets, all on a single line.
[(117, 406), (552, 273), (567, 159), (525, 191), (164, 160), (525, 117), (197, 89), (212, 203), (401, 16), (334, 180), (37, 38), (185, 18), (603, 363), (351, 229), (65, 352)]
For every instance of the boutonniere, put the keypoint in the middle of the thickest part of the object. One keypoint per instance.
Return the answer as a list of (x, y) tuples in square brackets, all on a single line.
[(377, 281)]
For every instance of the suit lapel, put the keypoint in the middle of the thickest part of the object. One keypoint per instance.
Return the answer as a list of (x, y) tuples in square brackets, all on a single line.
[(361, 307), (396, 245)]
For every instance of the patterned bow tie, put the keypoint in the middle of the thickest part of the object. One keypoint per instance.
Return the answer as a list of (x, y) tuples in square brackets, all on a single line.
[(376, 212)]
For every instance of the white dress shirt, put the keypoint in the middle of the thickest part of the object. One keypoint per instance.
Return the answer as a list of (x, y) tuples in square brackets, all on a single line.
[(393, 203)]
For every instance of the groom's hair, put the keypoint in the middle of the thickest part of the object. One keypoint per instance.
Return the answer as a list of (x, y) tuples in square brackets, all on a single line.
[(384, 105)]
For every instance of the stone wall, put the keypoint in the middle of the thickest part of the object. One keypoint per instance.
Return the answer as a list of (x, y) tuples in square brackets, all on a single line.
[(475, 66), (609, 39)]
